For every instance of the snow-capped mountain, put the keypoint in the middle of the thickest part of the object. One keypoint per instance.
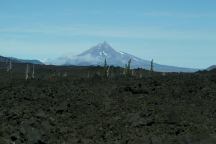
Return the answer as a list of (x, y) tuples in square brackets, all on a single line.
[(97, 54)]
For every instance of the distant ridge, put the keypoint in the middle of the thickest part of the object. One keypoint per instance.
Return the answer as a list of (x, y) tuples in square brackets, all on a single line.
[(211, 68), (16, 60), (97, 54)]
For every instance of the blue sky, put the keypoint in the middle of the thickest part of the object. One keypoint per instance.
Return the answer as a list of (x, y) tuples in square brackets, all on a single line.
[(173, 32)]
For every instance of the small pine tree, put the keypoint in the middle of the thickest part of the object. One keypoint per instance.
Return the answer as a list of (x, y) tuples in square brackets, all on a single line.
[(129, 68), (129, 65), (106, 69), (105, 63), (152, 66)]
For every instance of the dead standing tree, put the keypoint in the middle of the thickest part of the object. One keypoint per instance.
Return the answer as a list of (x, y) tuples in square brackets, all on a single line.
[(27, 72), (106, 69)]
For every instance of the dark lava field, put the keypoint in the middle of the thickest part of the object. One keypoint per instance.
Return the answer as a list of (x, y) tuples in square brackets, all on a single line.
[(78, 105)]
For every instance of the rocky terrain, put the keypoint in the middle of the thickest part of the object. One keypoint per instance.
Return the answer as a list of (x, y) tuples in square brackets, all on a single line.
[(77, 105)]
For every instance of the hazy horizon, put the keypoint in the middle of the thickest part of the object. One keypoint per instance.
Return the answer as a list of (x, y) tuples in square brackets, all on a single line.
[(174, 33)]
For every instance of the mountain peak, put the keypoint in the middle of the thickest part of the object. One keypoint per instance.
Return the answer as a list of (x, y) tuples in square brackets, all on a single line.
[(103, 45), (102, 49)]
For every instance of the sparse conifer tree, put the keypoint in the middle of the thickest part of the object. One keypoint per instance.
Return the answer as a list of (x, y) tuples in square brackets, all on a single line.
[(105, 63), (59, 74), (33, 71), (132, 72), (65, 74), (129, 65), (125, 70), (88, 75), (152, 66), (140, 75), (9, 67), (6, 63), (128, 68), (163, 74)]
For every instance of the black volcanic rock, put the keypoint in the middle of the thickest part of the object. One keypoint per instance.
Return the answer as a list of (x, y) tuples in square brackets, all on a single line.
[(154, 109), (178, 108)]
